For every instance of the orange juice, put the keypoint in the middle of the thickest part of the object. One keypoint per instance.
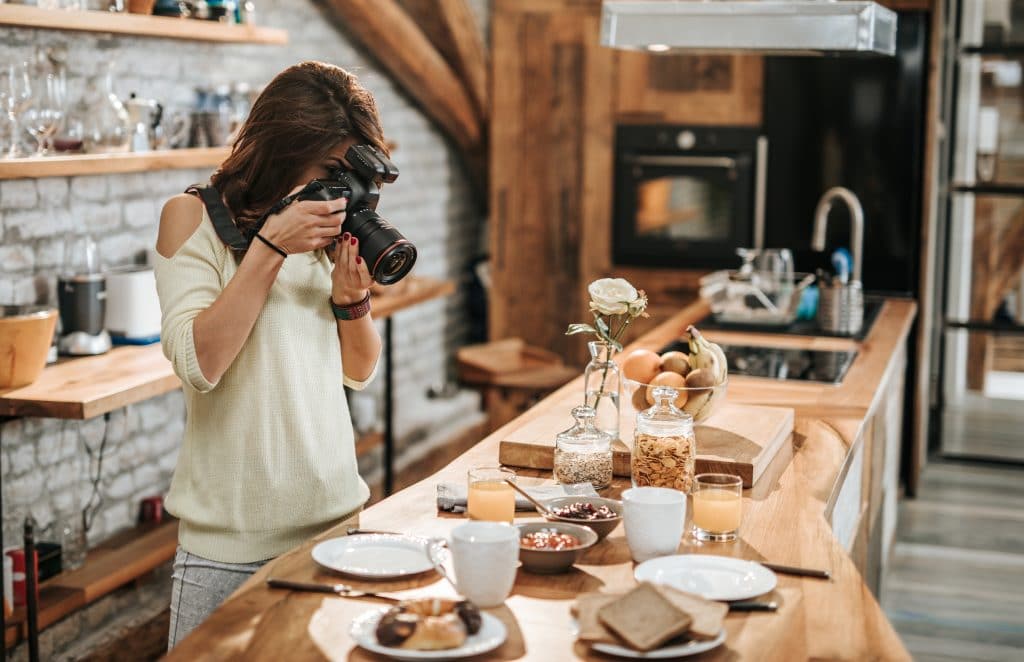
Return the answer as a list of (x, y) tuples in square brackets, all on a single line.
[(491, 500), (717, 510)]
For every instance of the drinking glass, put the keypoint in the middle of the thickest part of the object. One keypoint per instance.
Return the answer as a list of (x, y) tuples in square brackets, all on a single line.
[(45, 109), (15, 93), (489, 497), (717, 507)]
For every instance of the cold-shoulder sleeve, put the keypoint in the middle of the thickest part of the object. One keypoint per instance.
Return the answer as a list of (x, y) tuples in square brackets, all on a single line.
[(188, 283)]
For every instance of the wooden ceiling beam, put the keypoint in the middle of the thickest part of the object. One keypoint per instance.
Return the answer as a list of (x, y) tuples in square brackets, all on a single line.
[(450, 26), (401, 48)]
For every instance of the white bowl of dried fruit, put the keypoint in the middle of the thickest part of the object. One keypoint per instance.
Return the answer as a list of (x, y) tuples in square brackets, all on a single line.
[(700, 377)]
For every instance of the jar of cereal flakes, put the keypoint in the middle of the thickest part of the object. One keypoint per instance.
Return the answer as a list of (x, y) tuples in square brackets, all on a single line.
[(664, 445)]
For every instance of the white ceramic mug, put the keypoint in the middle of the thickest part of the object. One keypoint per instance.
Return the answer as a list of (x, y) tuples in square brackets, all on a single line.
[(654, 519), (485, 556)]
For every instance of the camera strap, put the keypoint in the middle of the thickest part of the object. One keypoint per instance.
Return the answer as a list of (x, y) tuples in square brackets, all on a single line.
[(221, 218)]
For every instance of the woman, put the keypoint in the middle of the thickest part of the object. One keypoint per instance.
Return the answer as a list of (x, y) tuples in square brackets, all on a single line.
[(264, 343)]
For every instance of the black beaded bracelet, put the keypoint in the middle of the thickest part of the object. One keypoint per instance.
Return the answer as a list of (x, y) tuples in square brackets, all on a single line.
[(277, 249)]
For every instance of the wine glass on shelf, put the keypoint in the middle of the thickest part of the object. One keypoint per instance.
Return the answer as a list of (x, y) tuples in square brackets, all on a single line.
[(15, 93), (45, 109)]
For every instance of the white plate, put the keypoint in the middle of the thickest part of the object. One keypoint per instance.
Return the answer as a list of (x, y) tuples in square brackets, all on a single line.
[(713, 577), (492, 634), (665, 652), (376, 555)]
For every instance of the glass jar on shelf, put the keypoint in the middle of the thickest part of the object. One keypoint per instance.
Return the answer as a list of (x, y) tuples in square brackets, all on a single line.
[(664, 445), (583, 453)]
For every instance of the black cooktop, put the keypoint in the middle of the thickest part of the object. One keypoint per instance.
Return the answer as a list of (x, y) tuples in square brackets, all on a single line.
[(777, 363)]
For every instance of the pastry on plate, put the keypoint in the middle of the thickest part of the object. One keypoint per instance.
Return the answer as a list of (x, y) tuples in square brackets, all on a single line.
[(428, 624)]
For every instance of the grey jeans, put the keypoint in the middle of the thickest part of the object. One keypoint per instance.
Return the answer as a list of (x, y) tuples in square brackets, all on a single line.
[(200, 586)]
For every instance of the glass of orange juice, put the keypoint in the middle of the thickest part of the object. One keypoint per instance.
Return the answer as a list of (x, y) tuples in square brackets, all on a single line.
[(490, 498), (717, 506)]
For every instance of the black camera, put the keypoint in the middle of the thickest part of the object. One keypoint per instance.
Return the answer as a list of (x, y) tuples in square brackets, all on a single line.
[(388, 255)]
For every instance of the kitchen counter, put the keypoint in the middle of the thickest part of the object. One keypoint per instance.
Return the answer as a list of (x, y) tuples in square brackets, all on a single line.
[(826, 501)]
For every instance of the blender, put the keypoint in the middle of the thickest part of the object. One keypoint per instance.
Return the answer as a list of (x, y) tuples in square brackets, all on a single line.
[(82, 300)]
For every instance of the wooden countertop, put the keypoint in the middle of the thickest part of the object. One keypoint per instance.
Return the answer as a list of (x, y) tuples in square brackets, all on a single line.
[(783, 522), (82, 388)]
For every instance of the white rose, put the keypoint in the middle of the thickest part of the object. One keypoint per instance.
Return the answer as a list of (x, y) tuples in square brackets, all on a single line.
[(612, 296)]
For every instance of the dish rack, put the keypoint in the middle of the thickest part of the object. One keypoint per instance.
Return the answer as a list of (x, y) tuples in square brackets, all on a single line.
[(754, 297)]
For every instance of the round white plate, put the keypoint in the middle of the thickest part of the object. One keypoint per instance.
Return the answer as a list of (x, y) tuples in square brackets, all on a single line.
[(663, 653), (376, 555), (492, 634), (713, 577)]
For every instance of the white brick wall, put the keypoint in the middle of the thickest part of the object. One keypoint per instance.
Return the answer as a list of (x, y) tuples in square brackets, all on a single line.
[(44, 462)]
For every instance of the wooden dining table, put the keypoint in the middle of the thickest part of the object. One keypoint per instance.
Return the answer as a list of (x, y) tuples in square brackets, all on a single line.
[(785, 520)]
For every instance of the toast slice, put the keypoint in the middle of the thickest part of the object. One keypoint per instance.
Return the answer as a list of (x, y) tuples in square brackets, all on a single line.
[(592, 630), (644, 618), (708, 616)]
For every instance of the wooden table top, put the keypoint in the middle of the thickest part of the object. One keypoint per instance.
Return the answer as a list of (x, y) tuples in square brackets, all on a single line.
[(783, 522), (81, 388)]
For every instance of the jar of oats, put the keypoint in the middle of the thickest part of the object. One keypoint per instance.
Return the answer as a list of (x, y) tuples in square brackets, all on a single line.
[(583, 453), (664, 445)]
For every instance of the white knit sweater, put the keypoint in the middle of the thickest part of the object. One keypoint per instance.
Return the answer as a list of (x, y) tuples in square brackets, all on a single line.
[(268, 458)]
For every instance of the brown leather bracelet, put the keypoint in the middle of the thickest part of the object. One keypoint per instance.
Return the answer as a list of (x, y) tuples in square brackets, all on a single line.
[(352, 311)]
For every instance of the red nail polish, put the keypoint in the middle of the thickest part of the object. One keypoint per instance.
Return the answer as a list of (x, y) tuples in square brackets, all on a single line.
[(359, 260), (345, 237), (353, 241)]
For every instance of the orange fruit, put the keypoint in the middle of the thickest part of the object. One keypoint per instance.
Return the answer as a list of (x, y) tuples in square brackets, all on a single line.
[(641, 365), (673, 379)]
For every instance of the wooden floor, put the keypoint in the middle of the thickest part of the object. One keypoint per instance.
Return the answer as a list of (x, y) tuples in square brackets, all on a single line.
[(954, 589)]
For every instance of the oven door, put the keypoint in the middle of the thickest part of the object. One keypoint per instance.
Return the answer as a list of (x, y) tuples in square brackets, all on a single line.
[(683, 211)]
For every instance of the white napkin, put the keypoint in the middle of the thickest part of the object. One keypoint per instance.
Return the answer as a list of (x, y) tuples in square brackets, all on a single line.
[(451, 497)]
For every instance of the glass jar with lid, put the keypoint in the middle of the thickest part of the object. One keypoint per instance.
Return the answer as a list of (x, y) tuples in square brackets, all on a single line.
[(583, 453), (664, 444)]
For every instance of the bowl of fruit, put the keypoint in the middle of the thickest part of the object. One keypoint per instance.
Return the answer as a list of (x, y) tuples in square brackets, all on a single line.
[(700, 377)]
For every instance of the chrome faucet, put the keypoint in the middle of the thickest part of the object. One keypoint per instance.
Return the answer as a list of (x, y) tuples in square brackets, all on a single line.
[(856, 220)]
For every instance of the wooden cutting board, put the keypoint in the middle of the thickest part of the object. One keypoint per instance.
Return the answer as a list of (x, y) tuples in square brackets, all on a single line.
[(738, 439)]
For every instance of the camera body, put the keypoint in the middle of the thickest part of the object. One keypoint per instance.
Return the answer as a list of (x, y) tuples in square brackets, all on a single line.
[(389, 256)]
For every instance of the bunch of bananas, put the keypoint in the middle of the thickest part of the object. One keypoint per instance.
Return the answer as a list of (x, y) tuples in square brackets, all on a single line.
[(708, 368)]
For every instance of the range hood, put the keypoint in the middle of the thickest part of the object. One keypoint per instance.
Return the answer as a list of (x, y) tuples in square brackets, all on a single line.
[(797, 27)]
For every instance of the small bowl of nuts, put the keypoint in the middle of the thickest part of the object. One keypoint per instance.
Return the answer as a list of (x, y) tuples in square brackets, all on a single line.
[(550, 547), (596, 513)]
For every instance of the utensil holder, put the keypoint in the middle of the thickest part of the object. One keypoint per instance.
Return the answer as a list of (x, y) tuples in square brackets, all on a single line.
[(841, 308)]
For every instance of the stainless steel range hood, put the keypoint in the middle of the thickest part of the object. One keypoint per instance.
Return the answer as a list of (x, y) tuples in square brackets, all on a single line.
[(803, 27)]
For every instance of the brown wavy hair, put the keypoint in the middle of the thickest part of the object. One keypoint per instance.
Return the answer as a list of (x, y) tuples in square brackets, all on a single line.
[(301, 115)]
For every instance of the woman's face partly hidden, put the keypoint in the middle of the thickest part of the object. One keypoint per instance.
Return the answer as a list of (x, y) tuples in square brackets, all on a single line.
[(320, 170)]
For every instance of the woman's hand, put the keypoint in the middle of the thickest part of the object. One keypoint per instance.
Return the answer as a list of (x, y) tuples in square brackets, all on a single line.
[(350, 279), (306, 225)]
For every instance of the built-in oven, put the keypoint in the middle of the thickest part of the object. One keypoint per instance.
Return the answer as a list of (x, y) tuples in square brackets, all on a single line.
[(687, 196)]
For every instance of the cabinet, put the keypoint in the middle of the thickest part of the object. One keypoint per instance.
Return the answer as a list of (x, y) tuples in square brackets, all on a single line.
[(557, 95), (983, 324)]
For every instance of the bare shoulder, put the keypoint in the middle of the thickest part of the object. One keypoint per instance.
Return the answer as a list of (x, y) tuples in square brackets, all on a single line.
[(179, 219)]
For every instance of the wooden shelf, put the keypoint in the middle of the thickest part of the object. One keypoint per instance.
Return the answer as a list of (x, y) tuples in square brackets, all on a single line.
[(104, 164), (118, 561), (139, 25), (83, 388)]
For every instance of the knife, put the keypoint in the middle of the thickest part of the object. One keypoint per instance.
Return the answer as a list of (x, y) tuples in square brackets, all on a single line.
[(343, 590), (753, 605), (800, 572)]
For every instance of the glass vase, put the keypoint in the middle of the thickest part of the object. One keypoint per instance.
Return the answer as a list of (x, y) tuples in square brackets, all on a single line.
[(105, 124), (603, 387)]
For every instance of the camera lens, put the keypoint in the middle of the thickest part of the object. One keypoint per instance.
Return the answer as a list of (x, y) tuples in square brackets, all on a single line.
[(389, 255)]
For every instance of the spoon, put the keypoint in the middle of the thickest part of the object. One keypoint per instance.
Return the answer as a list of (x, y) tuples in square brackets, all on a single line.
[(541, 508)]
